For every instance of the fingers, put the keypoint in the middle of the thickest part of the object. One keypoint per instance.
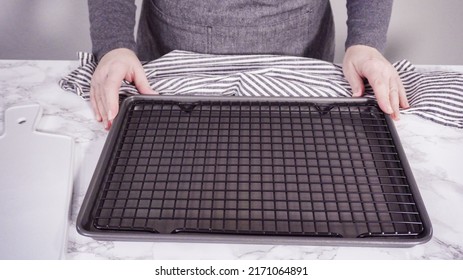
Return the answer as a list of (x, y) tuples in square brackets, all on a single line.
[(382, 91), (396, 92), (110, 96), (403, 100), (141, 81), (398, 97), (354, 79), (104, 94), (394, 100), (391, 95)]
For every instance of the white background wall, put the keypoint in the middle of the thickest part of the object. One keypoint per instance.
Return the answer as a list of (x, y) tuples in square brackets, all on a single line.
[(423, 31), (43, 29)]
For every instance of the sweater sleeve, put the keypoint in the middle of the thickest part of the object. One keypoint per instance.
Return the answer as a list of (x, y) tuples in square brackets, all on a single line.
[(368, 22), (112, 25)]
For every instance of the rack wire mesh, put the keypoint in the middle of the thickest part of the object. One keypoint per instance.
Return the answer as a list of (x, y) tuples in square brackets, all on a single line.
[(256, 168)]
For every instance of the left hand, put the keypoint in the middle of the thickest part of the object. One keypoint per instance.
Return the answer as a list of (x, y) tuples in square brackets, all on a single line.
[(366, 62)]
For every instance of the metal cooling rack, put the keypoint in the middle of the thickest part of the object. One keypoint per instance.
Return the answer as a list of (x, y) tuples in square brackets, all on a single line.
[(254, 170)]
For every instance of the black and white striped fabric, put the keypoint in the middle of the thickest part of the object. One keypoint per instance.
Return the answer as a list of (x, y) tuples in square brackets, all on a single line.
[(436, 96)]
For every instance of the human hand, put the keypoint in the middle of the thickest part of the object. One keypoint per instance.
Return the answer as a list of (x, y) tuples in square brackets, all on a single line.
[(112, 69), (367, 62)]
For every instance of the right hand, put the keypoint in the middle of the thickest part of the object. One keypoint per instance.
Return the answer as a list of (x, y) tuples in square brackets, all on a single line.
[(112, 69), (367, 62)]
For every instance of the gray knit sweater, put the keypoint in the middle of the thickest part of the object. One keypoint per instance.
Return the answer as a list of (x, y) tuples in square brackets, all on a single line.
[(234, 26)]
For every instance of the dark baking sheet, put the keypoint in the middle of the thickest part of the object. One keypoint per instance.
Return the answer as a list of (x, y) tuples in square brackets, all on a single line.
[(254, 170)]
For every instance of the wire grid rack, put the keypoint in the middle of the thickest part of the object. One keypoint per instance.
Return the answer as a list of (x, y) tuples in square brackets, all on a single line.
[(256, 168)]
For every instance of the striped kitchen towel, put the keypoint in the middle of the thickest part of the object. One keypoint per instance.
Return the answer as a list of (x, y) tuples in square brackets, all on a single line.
[(436, 96)]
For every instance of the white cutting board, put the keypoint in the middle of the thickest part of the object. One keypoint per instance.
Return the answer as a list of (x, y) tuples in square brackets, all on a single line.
[(35, 187)]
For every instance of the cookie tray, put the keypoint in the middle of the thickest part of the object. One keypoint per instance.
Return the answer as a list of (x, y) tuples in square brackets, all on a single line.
[(306, 171)]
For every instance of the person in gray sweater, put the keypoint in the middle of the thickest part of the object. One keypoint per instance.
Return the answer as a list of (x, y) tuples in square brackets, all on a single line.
[(291, 27)]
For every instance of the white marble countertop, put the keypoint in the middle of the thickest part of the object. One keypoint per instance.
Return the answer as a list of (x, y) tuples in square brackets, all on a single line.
[(434, 152)]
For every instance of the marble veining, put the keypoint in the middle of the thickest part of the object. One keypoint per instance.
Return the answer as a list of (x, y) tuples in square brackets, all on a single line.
[(433, 151)]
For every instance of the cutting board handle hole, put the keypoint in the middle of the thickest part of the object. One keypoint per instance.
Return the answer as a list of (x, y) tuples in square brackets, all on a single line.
[(22, 121)]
